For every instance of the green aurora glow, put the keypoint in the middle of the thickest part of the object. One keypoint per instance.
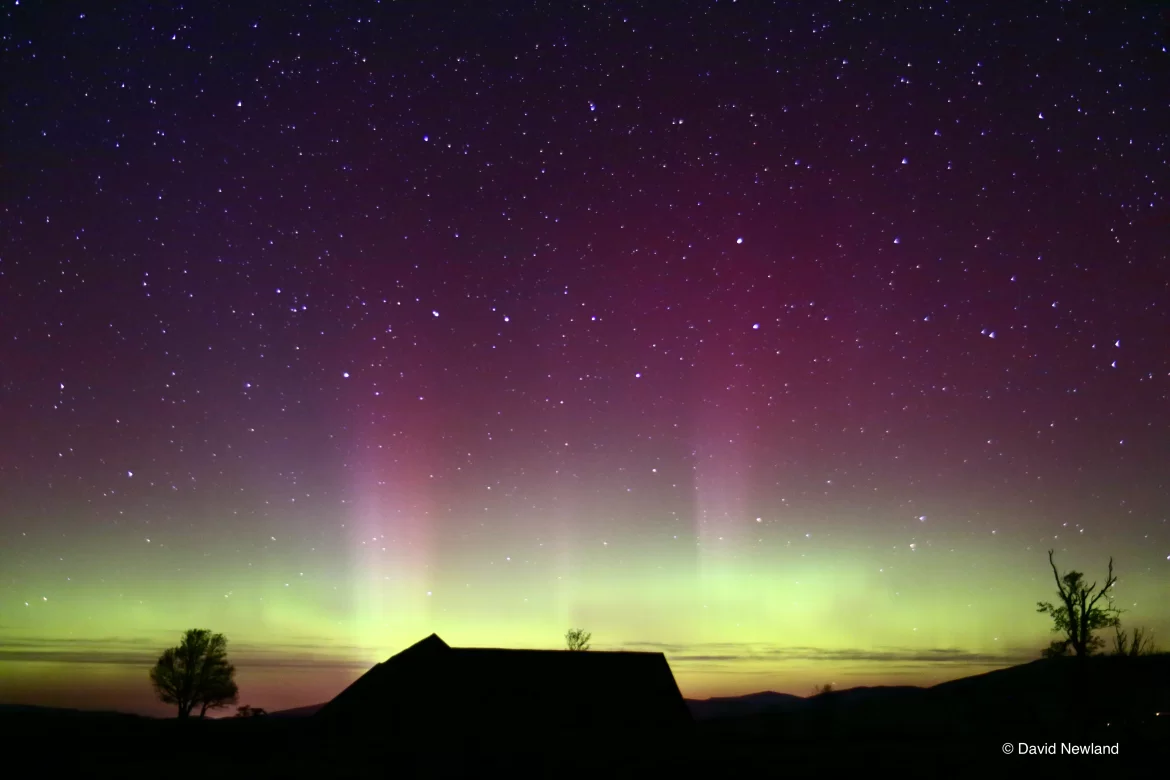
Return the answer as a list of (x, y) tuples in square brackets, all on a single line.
[(743, 617)]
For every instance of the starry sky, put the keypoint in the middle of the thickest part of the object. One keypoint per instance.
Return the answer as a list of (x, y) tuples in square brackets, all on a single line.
[(783, 338)]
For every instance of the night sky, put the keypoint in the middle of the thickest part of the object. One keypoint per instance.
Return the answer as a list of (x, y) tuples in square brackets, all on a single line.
[(785, 339)]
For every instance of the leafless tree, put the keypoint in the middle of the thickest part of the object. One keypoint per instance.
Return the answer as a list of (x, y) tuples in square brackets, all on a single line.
[(1138, 642), (1079, 612)]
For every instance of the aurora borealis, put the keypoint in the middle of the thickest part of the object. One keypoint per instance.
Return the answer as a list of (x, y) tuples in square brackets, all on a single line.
[(786, 339)]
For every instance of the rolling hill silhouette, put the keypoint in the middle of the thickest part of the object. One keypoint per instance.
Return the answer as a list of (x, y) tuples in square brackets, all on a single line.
[(958, 724)]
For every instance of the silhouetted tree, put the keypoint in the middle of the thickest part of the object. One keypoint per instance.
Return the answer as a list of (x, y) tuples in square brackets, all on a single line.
[(819, 689), (219, 692), (577, 639), (1137, 643), (244, 711), (196, 672), (1077, 615)]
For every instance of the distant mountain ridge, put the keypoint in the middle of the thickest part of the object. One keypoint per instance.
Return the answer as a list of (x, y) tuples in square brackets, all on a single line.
[(957, 725), (748, 704), (298, 712), (701, 709), (34, 710), (1040, 691), (760, 703)]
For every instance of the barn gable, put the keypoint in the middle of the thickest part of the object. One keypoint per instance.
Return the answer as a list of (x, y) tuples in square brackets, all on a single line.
[(431, 688)]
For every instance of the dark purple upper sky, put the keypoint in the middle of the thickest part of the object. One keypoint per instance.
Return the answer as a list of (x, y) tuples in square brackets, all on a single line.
[(543, 280)]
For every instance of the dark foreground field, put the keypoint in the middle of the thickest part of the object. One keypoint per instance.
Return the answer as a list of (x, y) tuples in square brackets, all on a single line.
[(959, 728), (716, 748)]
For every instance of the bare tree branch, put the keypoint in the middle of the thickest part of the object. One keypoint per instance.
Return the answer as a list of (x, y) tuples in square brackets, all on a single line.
[(1079, 614), (1055, 574)]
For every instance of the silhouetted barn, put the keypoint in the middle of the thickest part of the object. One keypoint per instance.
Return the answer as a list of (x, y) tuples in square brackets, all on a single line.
[(468, 696)]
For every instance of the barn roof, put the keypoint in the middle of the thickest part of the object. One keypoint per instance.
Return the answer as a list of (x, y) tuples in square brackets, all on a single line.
[(431, 685)]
